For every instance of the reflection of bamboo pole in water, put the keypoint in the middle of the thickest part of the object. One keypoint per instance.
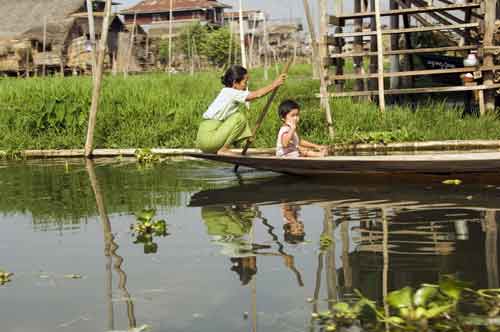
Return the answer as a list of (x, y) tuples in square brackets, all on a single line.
[(345, 255), (254, 289), (317, 288), (110, 248), (385, 275), (281, 250), (331, 268), (491, 249)]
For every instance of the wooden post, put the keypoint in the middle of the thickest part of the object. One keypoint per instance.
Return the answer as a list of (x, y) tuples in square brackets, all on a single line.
[(44, 44), (372, 83), (250, 51), (488, 61), (130, 47), (242, 37), (266, 50), (96, 90), (408, 45), (339, 42), (358, 48), (323, 54), (230, 60), (491, 249), (171, 16), (90, 15), (380, 57), (314, 41), (394, 46)]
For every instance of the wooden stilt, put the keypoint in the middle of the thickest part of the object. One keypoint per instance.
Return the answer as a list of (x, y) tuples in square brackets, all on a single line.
[(323, 53), (394, 83), (242, 36), (358, 48), (130, 47), (252, 41), (230, 60), (266, 50), (314, 43), (90, 15), (488, 60), (372, 84), (96, 91), (339, 43), (44, 45), (409, 82), (170, 21), (380, 57)]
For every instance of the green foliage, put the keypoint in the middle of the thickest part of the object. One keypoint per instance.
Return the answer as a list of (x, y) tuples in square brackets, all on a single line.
[(5, 277), (145, 229), (158, 110), (325, 242), (146, 156)]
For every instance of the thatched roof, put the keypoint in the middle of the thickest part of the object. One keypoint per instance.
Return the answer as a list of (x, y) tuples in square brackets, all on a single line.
[(23, 15)]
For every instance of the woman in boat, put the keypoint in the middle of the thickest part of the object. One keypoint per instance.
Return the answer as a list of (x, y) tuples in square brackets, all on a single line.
[(223, 124), (289, 145)]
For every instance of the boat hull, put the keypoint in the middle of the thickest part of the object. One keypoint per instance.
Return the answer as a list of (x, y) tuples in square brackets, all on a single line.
[(441, 163)]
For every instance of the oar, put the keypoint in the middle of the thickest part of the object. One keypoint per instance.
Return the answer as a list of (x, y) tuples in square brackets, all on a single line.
[(263, 115)]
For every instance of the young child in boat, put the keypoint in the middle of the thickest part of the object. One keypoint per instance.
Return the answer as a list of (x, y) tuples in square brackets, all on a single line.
[(223, 123), (289, 145), (293, 228)]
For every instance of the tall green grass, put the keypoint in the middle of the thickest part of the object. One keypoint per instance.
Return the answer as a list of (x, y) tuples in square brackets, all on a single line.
[(160, 111)]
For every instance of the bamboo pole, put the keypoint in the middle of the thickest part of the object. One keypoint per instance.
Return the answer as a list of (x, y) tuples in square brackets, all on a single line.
[(358, 48), (323, 53), (230, 58), (394, 83), (44, 44), (385, 254), (252, 40), (372, 83), (491, 249), (171, 16), (130, 47), (266, 50), (90, 15), (96, 91), (339, 67), (242, 36), (488, 41), (314, 42), (380, 57)]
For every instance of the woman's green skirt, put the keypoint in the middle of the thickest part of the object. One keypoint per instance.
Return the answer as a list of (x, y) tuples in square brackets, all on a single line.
[(214, 134)]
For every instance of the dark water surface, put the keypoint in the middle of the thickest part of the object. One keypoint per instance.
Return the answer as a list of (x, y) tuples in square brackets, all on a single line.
[(241, 254)]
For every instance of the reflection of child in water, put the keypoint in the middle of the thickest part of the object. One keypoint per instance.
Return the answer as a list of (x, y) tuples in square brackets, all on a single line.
[(246, 267), (294, 229)]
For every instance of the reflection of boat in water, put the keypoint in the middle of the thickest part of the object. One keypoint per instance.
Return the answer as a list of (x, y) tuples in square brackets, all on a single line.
[(354, 191), (436, 163)]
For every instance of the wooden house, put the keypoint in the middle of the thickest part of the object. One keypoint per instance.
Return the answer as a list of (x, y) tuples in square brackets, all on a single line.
[(149, 12), (53, 36)]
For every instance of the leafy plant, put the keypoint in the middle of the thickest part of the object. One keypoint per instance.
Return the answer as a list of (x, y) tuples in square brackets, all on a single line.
[(146, 156), (146, 228), (5, 277), (325, 241)]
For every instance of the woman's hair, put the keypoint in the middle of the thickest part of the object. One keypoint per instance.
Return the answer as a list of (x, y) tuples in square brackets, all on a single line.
[(286, 107), (234, 74)]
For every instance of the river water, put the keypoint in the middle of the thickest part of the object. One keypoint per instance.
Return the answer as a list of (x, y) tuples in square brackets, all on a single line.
[(240, 253)]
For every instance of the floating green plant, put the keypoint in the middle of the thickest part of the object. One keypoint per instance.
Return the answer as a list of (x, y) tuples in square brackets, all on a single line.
[(146, 156), (146, 228), (427, 308), (5, 277)]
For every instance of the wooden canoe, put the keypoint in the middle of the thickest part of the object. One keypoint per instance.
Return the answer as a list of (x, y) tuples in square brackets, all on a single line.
[(421, 163)]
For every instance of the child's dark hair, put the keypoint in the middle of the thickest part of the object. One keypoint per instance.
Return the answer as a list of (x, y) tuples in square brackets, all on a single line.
[(234, 74), (286, 107), (293, 238)]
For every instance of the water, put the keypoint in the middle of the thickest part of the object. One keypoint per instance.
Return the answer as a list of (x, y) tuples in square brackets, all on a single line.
[(242, 252)]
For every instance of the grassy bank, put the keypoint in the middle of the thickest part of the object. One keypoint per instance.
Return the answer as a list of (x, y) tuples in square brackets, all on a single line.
[(162, 111)]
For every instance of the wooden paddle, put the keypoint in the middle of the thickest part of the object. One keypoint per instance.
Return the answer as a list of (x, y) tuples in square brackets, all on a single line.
[(263, 115)]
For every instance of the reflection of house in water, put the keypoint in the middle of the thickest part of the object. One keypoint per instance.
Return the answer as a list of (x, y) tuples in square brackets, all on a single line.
[(422, 246)]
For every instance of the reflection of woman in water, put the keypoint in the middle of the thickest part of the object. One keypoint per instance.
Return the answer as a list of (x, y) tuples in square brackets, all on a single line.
[(294, 229), (230, 228)]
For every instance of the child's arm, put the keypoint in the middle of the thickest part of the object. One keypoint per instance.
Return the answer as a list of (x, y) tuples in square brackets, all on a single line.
[(267, 89), (287, 137), (306, 144)]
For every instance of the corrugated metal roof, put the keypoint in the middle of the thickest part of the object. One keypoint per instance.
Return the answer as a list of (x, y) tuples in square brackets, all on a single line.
[(160, 6)]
